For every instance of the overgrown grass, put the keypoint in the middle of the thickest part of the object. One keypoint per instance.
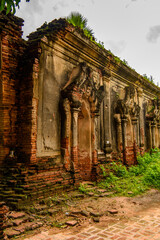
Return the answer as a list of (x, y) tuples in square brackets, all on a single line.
[(83, 188), (135, 179)]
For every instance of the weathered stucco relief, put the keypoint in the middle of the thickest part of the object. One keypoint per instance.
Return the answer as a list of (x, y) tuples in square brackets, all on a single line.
[(48, 111), (54, 71), (83, 96), (126, 116), (153, 122)]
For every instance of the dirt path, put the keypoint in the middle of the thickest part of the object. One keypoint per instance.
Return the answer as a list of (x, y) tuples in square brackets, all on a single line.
[(104, 218)]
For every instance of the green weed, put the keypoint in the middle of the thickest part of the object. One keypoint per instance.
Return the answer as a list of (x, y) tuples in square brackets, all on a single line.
[(135, 179), (83, 188)]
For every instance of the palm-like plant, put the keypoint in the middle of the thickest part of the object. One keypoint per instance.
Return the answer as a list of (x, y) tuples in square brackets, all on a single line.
[(80, 21)]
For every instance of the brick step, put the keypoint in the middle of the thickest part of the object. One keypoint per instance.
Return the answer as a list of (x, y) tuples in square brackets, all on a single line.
[(32, 217), (101, 157), (101, 153), (101, 160), (18, 223), (129, 154)]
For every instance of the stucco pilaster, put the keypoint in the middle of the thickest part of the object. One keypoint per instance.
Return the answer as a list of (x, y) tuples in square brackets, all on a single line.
[(118, 131), (135, 130), (107, 117), (153, 128), (124, 125), (96, 116), (140, 123), (75, 112), (74, 129), (149, 134), (158, 126)]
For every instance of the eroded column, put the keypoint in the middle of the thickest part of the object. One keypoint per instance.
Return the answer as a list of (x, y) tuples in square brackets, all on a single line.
[(119, 132), (107, 117), (135, 132), (135, 138), (74, 148), (153, 127), (95, 130), (124, 125), (141, 120), (149, 135), (94, 147), (158, 126)]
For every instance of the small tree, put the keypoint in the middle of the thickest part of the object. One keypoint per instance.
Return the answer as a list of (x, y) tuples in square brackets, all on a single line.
[(151, 79), (10, 5), (78, 20)]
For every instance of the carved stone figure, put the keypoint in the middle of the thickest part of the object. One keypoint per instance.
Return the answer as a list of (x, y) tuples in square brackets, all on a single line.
[(153, 110), (78, 76), (84, 98), (128, 104)]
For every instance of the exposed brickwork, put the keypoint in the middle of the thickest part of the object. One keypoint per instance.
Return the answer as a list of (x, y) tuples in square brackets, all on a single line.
[(129, 156), (28, 177), (11, 49), (28, 105), (85, 166), (3, 211), (65, 152)]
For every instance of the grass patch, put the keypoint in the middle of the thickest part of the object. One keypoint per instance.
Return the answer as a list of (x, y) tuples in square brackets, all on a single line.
[(135, 179), (83, 188)]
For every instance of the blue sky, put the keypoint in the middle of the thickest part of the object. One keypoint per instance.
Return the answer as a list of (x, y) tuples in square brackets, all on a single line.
[(129, 28)]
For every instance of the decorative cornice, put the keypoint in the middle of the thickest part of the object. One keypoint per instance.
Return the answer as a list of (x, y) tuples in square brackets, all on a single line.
[(74, 40)]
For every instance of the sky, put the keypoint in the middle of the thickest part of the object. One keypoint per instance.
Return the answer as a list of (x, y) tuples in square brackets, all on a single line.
[(129, 28)]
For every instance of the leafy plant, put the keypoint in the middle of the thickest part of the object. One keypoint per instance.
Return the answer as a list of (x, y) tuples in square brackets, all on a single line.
[(149, 79), (83, 188), (152, 176), (125, 62), (103, 171), (117, 59), (119, 170), (135, 179), (10, 5), (78, 20)]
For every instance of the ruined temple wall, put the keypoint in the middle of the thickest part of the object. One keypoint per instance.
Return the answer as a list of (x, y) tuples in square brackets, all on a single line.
[(38, 174), (116, 92), (56, 64), (11, 49), (40, 153), (42, 127), (54, 73), (136, 136)]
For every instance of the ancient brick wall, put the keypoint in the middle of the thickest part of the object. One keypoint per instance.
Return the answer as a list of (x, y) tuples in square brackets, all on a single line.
[(30, 177), (11, 50), (28, 105), (66, 107), (3, 211)]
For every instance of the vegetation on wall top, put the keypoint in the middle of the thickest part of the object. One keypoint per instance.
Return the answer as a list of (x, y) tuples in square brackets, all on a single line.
[(149, 79), (78, 20)]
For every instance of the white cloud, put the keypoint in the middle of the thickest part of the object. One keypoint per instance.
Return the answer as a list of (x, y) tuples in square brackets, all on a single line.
[(34, 7), (116, 47), (154, 34), (60, 4)]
